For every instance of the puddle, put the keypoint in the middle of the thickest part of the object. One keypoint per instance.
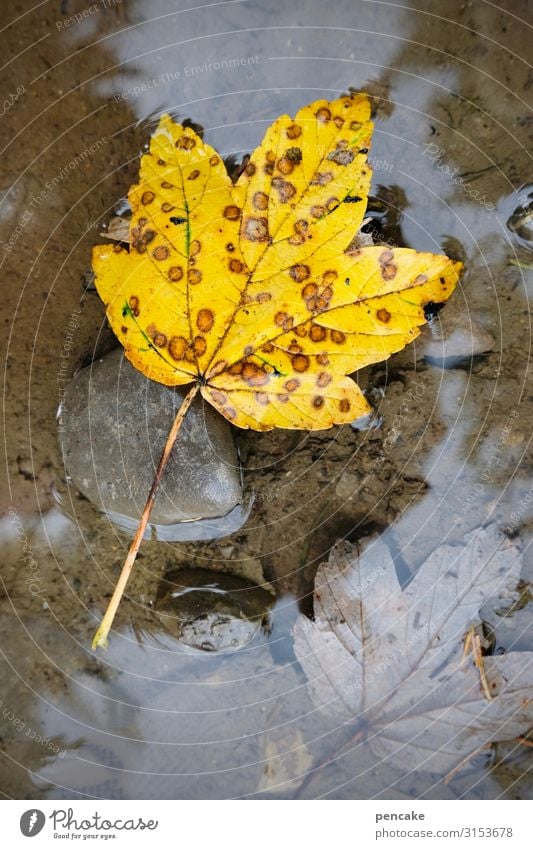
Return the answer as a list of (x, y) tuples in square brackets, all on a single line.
[(163, 714), (519, 210)]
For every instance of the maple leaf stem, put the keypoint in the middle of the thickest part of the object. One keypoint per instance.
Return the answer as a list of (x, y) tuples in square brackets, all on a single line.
[(100, 638)]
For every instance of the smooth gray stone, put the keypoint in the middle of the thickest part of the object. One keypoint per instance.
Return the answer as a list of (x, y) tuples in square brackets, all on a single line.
[(212, 611), (113, 424)]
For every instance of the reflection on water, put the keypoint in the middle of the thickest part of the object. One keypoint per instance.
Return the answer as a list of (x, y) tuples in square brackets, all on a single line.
[(445, 452)]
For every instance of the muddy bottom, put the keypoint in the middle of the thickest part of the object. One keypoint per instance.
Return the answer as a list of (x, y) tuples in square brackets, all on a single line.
[(445, 452)]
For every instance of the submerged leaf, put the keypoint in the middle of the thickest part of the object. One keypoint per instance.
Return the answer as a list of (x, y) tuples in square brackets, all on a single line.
[(256, 291), (389, 661)]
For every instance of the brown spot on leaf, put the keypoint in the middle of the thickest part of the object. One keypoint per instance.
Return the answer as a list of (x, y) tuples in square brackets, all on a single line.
[(161, 253), (177, 347), (134, 305), (322, 178), (292, 384), (254, 375), (185, 143), (317, 333), (250, 169), (309, 293), (344, 405), (195, 247), (167, 207), (283, 398), (235, 265), (262, 398), (219, 397), (260, 200), (383, 315), (318, 211), (285, 166), (232, 212), (195, 276), (147, 198), (338, 337), (324, 299), (294, 154), (230, 247), (297, 239), (166, 185), (329, 277), (194, 174), (293, 132), (175, 273), (199, 345), (341, 156), (322, 359), (323, 114), (299, 272), (318, 402), (389, 271), (323, 379), (204, 320), (285, 190), (159, 340), (281, 319), (423, 278), (300, 362), (214, 160), (263, 297), (255, 229)]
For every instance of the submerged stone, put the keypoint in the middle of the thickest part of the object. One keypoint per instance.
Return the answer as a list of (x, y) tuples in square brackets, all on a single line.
[(113, 425), (212, 611), (520, 221)]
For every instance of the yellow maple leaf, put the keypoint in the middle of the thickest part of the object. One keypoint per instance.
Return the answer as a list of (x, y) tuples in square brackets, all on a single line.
[(252, 290), (257, 293)]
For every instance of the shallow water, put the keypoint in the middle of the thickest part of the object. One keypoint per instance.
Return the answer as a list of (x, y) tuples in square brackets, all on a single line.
[(154, 717)]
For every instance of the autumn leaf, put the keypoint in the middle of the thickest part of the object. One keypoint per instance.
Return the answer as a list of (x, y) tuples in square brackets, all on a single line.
[(258, 294), (391, 663), (254, 292)]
